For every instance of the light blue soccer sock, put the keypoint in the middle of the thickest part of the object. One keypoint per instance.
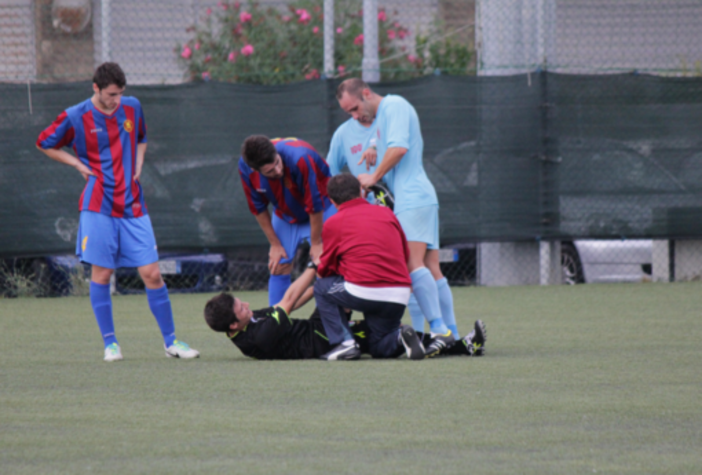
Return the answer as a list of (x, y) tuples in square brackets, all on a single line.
[(427, 294), (277, 285), (415, 313), (102, 307), (446, 303), (160, 306)]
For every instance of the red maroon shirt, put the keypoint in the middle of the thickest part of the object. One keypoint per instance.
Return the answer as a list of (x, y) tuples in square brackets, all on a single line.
[(365, 245)]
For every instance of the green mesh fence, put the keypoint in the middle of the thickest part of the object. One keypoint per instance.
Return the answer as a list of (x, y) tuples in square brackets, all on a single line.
[(512, 158), (528, 158)]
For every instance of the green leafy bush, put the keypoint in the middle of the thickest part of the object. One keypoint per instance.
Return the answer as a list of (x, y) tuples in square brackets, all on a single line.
[(251, 44)]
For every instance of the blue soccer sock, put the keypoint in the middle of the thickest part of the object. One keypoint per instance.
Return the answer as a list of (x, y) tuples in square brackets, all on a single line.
[(427, 294), (415, 313), (446, 303), (160, 306), (102, 307), (277, 285)]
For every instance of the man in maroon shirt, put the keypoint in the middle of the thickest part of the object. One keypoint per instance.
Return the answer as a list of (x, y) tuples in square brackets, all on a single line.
[(361, 272)]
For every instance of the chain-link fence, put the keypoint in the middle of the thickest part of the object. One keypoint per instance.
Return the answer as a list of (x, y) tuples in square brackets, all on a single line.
[(542, 179)]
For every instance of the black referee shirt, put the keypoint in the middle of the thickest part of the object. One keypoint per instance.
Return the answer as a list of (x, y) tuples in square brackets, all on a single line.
[(272, 335)]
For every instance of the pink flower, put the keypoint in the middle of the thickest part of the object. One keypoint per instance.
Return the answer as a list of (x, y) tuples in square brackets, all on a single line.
[(304, 15), (232, 57), (244, 17), (339, 30), (237, 5), (208, 12), (186, 53), (391, 34), (411, 58), (382, 16), (197, 46), (247, 50), (402, 34), (315, 30), (286, 18), (222, 5), (396, 24), (206, 76), (358, 40), (208, 58), (314, 74), (341, 69)]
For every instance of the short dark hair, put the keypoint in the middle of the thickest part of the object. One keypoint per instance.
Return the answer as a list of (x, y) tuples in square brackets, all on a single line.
[(258, 150), (219, 312), (109, 73), (352, 86), (343, 188)]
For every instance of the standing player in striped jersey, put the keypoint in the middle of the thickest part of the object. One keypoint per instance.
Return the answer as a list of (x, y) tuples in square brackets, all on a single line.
[(290, 175), (108, 136)]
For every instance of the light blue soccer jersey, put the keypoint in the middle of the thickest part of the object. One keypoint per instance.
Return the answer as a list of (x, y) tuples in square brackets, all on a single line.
[(348, 143), (397, 125)]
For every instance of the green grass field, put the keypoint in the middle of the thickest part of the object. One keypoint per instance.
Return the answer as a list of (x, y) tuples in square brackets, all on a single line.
[(583, 379)]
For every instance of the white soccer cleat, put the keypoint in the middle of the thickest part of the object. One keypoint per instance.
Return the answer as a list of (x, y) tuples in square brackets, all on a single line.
[(113, 352), (180, 349)]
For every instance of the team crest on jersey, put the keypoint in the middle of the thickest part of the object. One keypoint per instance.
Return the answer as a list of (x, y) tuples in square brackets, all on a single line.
[(128, 125), (84, 243)]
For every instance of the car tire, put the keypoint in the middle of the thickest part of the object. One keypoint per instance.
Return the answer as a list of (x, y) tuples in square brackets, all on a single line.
[(571, 267)]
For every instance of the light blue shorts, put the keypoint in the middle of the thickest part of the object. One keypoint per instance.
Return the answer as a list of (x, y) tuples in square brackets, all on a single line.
[(421, 225), (115, 242), (291, 235)]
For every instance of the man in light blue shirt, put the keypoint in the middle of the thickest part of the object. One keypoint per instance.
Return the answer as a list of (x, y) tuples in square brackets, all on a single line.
[(400, 147), (349, 144)]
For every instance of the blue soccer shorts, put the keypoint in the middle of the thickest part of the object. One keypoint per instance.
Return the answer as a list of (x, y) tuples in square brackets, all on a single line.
[(421, 225), (115, 242), (291, 235)]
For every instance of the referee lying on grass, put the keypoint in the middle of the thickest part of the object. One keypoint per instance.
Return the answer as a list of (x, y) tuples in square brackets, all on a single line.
[(269, 334)]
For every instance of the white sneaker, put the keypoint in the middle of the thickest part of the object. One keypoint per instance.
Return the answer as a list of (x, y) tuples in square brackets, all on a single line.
[(180, 349), (113, 352)]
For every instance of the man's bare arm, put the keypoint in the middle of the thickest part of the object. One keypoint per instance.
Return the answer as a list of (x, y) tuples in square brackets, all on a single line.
[(392, 157), (296, 290), (316, 222), (141, 153), (277, 252), (66, 158)]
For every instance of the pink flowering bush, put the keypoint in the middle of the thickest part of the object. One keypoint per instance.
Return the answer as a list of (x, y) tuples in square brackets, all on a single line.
[(267, 45)]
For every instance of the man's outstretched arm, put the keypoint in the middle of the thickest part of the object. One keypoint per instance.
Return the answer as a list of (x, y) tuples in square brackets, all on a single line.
[(295, 291)]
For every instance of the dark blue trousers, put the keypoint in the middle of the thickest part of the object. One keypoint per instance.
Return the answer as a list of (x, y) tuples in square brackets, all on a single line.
[(383, 318)]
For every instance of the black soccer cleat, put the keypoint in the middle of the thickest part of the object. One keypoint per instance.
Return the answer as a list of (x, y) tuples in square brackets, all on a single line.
[(382, 195), (438, 343), (347, 350), (475, 340), (413, 345)]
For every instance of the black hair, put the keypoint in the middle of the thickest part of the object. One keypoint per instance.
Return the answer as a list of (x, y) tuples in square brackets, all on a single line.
[(344, 187), (258, 150), (107, 74), (219, 312)]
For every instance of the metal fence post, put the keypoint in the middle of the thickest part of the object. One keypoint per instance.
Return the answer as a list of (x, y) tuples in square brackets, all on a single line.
[(329, 38), (370, 64)]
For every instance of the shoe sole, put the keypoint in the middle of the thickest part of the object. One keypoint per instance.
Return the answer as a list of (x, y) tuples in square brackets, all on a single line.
[(480, 338), (182, 357), (414, 349)]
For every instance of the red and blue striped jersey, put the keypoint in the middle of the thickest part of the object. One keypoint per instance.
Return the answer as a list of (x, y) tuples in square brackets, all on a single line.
[(108, 146), (302, 190)]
